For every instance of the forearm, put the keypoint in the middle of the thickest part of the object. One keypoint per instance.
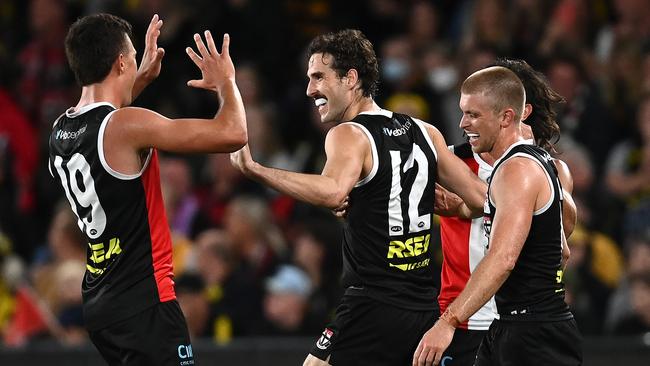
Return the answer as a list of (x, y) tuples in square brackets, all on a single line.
[(486, 279), (317, 190), (231, 112), (465, 212), (141, 82)]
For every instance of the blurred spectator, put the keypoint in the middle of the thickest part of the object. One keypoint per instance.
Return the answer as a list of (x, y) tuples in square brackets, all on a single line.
[(233, 295), (628, 171), (442, 78), (593, 272), (18, 163), (46, 86), (223, 183), (191, 295), (488, 25), (181, 205), (58, 272), (584, 116), (286, 303), (257, 240), (639, 321), (423, 24), (317, 251), (629, 306)]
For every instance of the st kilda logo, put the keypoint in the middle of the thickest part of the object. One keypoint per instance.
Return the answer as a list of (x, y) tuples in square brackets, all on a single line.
[(325, 339)]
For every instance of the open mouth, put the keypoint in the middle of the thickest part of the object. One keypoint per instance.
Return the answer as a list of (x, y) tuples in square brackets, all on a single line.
[(320, 103), (472, 137)]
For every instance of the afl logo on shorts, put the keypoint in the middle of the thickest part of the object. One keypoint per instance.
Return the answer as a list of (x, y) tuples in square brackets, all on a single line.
[(325, 340)]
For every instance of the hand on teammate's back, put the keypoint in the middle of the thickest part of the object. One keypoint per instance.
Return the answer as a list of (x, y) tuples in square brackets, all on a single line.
[(446, 203), (216, 68)]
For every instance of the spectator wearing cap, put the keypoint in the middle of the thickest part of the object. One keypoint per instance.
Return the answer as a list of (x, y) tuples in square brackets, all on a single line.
[(286, 303)]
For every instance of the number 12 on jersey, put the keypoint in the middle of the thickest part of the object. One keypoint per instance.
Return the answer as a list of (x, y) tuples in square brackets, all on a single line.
[(396, 217)]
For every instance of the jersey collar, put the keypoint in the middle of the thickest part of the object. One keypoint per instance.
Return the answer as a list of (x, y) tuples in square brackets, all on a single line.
[(71, 114)]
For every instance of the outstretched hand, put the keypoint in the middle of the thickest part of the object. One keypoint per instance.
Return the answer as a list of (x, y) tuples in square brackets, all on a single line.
[(242, 159), (216, 68), (151, 57)]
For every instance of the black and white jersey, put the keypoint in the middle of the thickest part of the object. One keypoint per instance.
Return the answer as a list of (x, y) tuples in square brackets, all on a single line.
[(534, 290), (387, 233), (129, 258)]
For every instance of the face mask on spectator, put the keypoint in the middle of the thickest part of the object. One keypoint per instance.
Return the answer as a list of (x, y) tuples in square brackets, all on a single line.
[(394, 69), (442, 78)]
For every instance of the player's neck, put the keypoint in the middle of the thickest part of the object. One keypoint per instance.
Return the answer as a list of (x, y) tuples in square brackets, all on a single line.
[(361, 104), (99, 92), (508, 138)]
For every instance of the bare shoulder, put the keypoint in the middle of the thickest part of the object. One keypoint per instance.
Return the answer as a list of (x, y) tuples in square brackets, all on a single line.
[(431, 129), (519, 172), (347, 132), (134, 115)]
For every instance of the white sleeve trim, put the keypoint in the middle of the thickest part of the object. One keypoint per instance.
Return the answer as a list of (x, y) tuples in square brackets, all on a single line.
[(420, 124), (375, 156), (548, 204), (102, 157)]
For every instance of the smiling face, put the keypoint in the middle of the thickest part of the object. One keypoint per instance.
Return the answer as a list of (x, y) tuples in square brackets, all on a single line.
[(332, 95), (480, 121)]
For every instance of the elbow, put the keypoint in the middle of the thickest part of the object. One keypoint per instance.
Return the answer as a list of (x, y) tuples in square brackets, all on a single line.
[(334, 200), (236, 140), (506, 263), (240, 139)]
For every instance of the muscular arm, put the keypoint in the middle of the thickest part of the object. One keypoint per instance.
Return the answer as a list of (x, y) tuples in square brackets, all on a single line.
[(346, 147), (510, 228), (455, 176), (131, 130)]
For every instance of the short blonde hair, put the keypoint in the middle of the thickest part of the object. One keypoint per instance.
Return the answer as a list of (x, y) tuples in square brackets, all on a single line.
[(502, 86)]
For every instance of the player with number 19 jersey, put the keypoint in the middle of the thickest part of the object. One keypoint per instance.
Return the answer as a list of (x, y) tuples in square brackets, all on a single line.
[(387, 250), (129, 262)]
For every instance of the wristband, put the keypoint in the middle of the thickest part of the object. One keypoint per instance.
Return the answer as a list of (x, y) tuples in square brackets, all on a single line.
[(451, 318)]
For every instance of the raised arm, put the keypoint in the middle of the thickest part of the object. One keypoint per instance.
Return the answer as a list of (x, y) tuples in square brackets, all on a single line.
[(151, 58), (226, 132), (457, 177), (348, 152), (510, 228)]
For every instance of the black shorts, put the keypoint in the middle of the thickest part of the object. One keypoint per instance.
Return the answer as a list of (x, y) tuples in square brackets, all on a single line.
[(367, 332), (156, 336), (510, 343), (463, 348)]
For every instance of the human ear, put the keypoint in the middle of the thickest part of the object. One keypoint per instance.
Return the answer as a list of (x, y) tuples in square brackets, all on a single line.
[(528, 109)]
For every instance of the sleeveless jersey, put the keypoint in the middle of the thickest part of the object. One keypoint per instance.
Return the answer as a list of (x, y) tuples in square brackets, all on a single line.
[(387, 232), (534, 290), (463, 246), (129, 264)]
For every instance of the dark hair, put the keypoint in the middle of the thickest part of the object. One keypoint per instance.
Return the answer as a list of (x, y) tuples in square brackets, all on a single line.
[(92, 44), (542, 97), (350, 50)]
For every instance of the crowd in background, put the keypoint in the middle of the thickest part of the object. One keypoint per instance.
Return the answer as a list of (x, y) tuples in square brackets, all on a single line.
[(251, 262)]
